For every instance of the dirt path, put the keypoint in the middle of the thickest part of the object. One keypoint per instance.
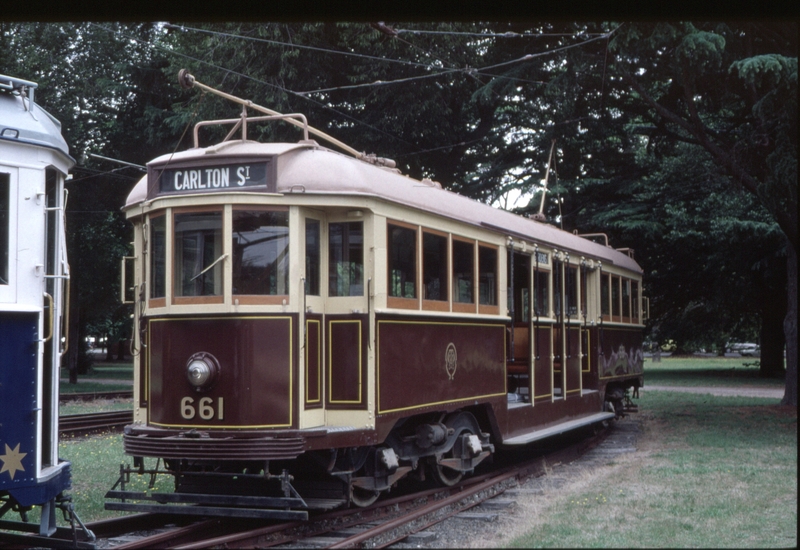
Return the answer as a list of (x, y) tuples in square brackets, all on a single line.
[(743, 392)]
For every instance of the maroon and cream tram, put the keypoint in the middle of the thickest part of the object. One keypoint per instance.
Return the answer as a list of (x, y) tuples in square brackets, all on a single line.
[(314, 327)]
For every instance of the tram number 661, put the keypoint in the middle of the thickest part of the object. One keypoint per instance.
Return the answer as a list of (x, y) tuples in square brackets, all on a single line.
[(205, 408)]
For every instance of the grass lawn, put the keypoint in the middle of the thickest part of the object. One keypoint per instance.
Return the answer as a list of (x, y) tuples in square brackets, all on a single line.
[(94, 406), (707, 371), (98, 377), (95, 468), (710, 472)]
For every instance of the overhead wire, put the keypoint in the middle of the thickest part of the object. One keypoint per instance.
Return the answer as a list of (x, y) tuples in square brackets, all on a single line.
[(509, 34), (467, 70), (297, 46), (471, 71), (257, 80)]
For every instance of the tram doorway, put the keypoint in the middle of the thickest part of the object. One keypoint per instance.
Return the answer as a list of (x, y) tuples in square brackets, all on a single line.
[(518, 360)]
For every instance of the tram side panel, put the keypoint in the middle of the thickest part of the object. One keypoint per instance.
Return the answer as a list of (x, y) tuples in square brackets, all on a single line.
[(18, 349), (425, 365), (618, 354)]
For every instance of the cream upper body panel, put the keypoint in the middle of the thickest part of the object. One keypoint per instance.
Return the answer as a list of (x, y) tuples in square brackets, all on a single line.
[(305, 169)]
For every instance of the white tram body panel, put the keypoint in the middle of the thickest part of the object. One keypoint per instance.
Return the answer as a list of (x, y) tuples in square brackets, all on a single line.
[(34, 163)]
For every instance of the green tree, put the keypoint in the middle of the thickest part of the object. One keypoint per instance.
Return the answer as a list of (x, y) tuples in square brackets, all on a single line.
[(105, 85), (729, 90)]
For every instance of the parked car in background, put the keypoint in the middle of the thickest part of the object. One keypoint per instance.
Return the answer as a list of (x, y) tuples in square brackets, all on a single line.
[(745, 349)]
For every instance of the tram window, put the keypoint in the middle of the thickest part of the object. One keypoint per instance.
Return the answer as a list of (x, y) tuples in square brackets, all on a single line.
[(571, 291), (402, 261), (260, 252), (434, 266), (158, 256), (51, 226), (541, 297), (487, 276), (5, 214), (615, 296), (626, 297), (605, 304), (346, 259), (520, 285), (463, 272), (198, 254), (635, 300), (582, 285), (558, 284), (312, 257)]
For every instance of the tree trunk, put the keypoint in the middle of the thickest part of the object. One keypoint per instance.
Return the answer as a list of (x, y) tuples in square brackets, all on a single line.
[(773, 313), (790, 329)]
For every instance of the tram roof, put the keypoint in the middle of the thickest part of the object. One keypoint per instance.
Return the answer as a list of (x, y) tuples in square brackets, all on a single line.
[(23, 121), (312, 169)]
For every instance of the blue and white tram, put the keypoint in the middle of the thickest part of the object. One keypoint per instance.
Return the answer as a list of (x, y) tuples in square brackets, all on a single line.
[(34, 275)]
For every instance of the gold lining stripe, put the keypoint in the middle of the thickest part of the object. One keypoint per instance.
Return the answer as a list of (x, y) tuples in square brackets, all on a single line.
[(459, 400)]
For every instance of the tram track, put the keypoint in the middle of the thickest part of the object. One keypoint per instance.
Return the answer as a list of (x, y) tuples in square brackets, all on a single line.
[(91, 396), (380, 525), (77, 424)]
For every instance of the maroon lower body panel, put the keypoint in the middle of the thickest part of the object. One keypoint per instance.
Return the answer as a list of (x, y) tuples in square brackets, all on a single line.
[(313, 364), (618, 352), (520, 420), (347, 337), (254, 387), (423, 363)]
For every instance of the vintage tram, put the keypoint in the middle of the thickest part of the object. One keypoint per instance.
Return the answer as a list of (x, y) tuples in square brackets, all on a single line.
[(34, 275), (312, 328)]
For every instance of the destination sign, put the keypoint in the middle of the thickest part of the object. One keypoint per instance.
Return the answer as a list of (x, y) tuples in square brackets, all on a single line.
[(213, 178)]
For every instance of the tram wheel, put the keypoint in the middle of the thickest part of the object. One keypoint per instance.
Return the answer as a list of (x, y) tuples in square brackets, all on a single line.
[(443, 475), (363, 497)]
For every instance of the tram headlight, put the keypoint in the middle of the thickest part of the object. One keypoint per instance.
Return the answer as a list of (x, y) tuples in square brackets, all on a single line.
[(202, 369)]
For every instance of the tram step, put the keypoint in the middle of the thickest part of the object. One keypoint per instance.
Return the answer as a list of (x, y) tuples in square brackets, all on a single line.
[(324, 503)]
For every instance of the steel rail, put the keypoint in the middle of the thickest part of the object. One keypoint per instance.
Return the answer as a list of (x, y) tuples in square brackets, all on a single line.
[(90, 396), (75, 423)]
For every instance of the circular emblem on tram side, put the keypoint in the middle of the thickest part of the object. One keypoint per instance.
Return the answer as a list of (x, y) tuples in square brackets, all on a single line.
[(450, 360)]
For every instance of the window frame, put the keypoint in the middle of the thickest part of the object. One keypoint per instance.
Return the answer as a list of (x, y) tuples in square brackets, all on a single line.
[(157, 301), (346, 249), (205, 299), (463, 307), (318, 274), (489, 309), (444, 304), (401, 302), (262, 299)]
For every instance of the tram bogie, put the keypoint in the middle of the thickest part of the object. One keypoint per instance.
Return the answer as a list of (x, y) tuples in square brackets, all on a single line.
[(331, 327)]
